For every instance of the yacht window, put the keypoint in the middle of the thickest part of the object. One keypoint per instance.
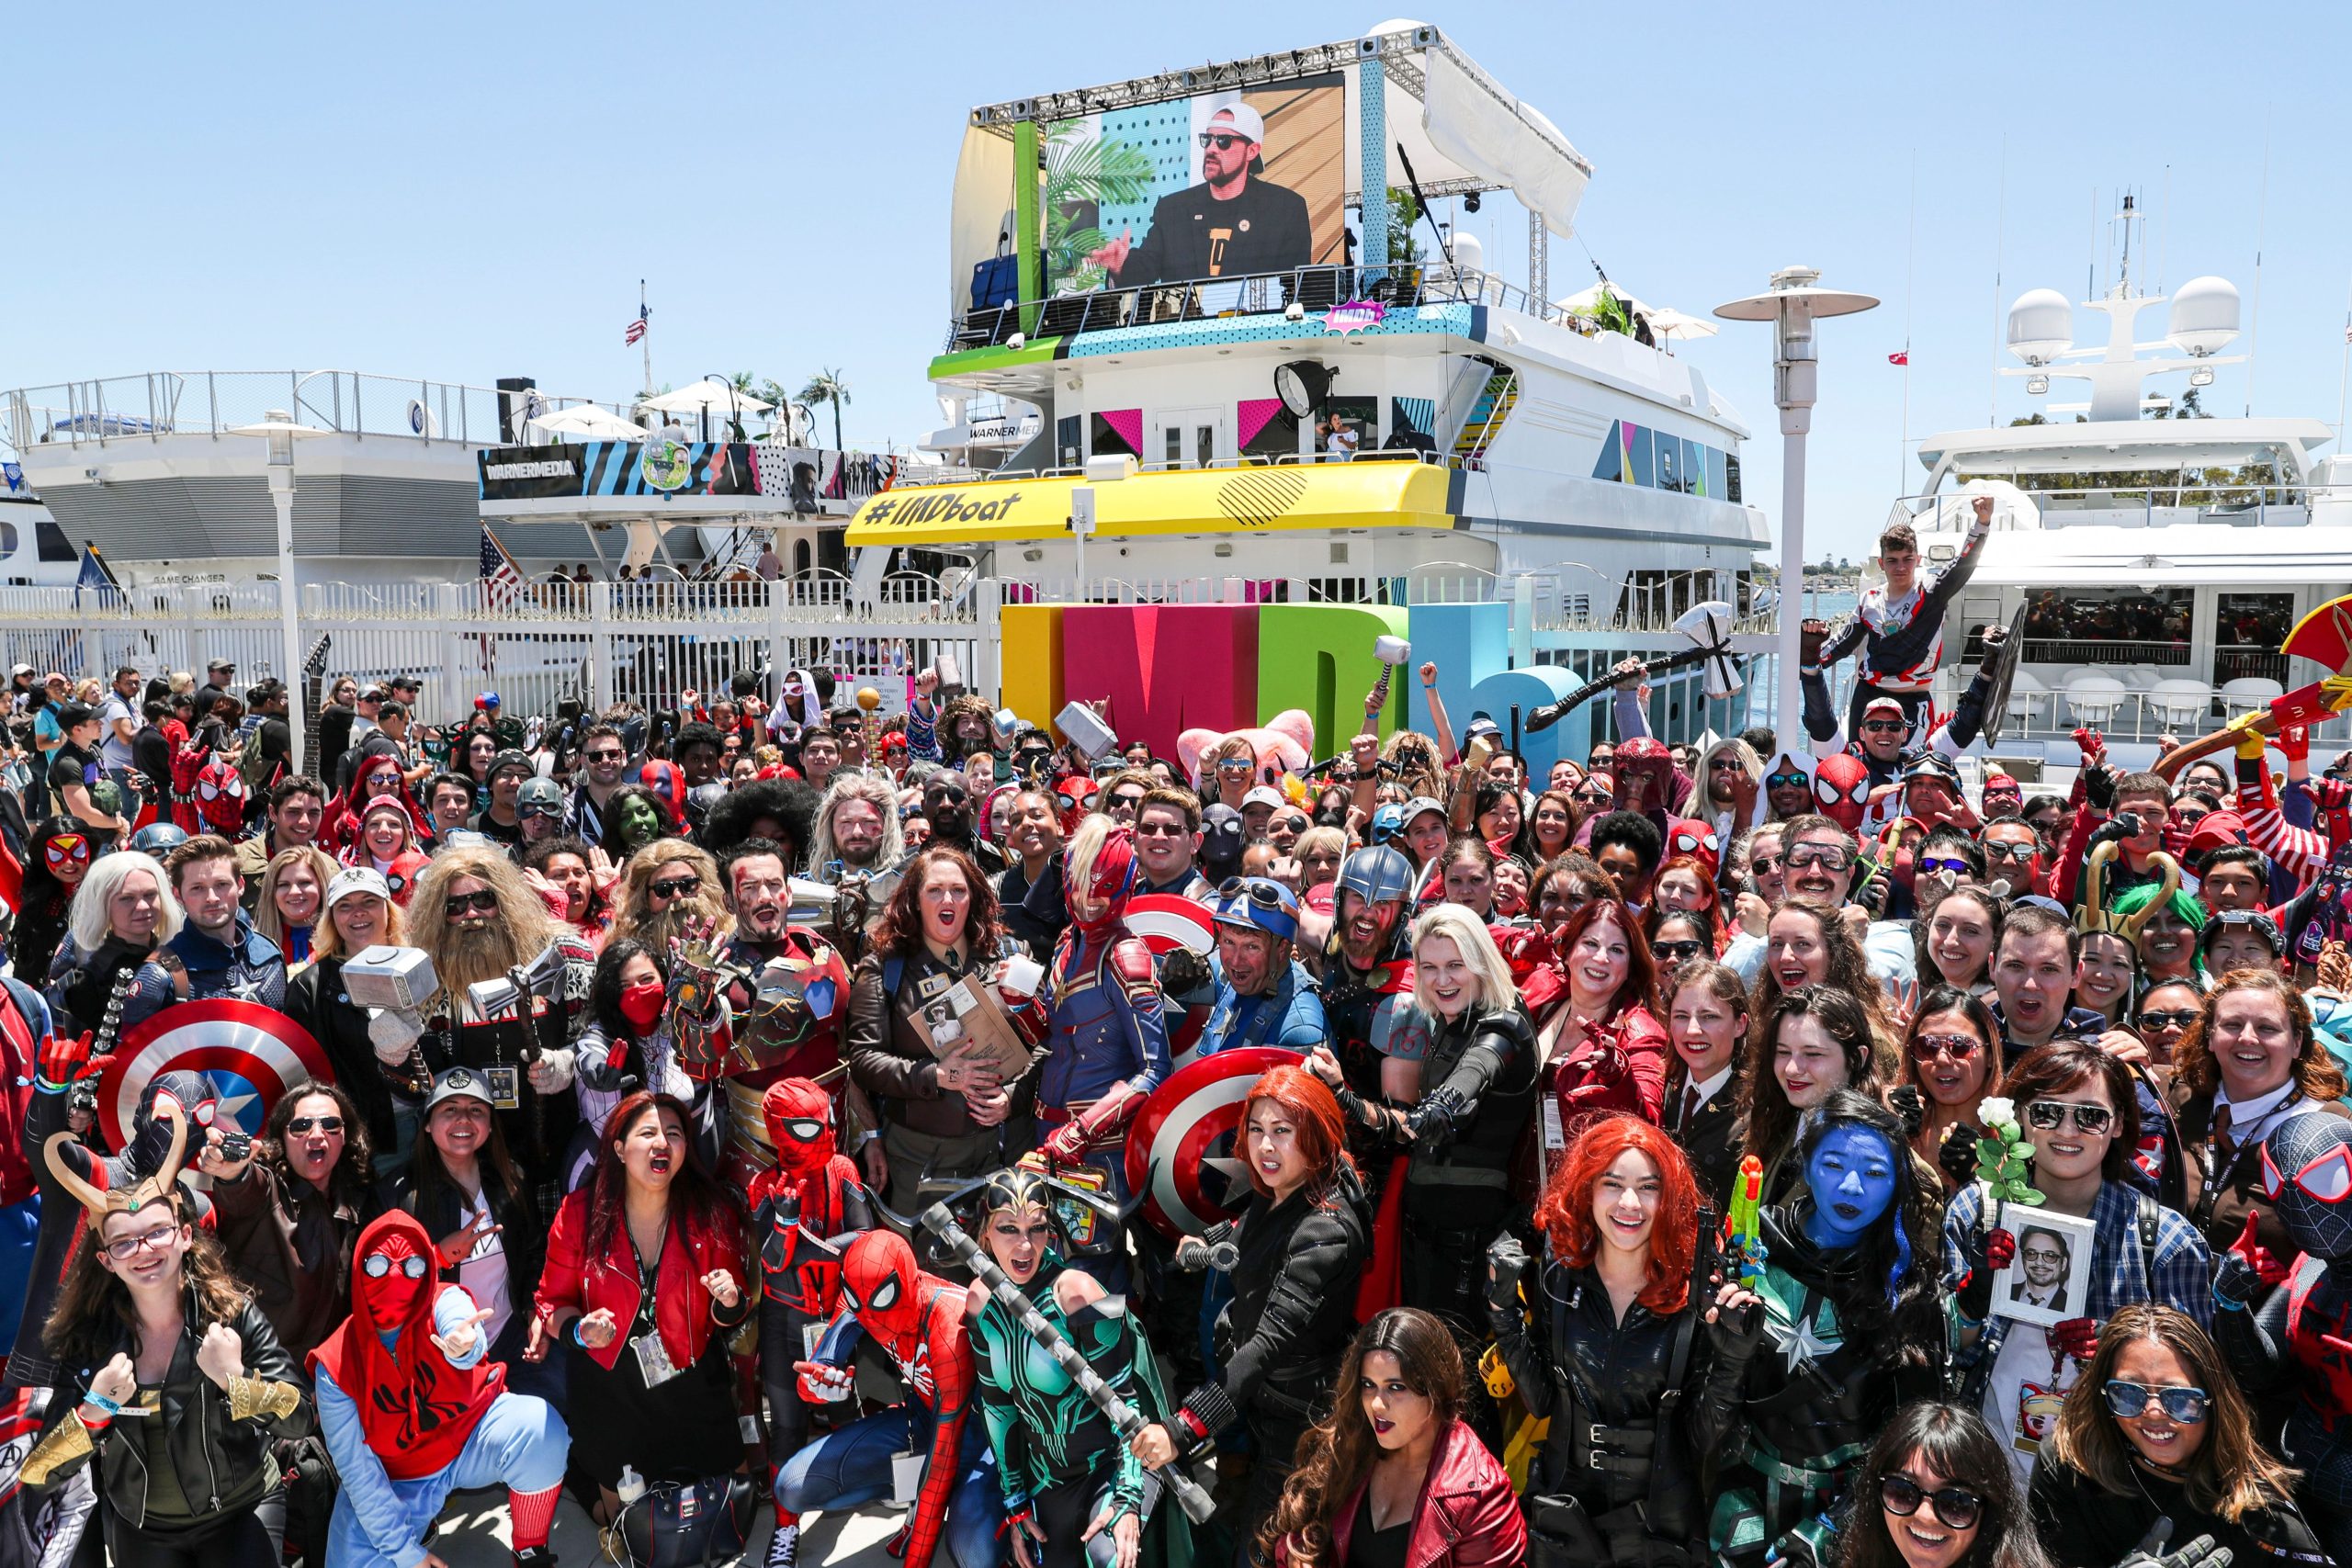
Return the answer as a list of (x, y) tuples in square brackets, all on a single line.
[(2108, 625), (2247, 630)]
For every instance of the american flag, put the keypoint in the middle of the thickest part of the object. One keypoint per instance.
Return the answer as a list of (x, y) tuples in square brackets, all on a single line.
[(636, 329), (501, 581), (502, 584)]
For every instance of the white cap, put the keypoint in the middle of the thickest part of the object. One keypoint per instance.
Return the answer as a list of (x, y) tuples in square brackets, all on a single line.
[(357, 879), (1264, 794), (1246, 121)]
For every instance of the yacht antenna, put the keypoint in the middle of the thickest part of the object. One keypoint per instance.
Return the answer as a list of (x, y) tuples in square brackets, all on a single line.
[(2261, 225), (1423, 202), (2123, 278), (1910, 266), (2344, 375), (2163, 235), (2000, 240)]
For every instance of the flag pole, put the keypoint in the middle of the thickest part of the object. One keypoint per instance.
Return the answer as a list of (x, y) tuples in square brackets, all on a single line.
[(645, 338)]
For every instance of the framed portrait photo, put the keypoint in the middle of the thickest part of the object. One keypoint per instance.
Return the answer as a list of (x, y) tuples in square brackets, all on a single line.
[(2048, 1280)]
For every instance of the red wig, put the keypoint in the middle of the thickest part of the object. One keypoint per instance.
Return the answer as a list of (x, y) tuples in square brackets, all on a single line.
[(1565, 1213), (1314, 1111), (1641, 969), (1709, 914)]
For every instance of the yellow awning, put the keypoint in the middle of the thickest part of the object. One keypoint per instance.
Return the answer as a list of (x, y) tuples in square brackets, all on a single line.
[(1185, 500)]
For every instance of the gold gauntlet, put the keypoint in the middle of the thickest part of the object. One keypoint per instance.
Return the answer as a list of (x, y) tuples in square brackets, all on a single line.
[(249, 1397), (67, 1441)]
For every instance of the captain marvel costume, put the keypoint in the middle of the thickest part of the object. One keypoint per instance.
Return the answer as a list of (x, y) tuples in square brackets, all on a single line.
[(918, 1318), (804, 1211), (409, 1423), (1107, 1036)]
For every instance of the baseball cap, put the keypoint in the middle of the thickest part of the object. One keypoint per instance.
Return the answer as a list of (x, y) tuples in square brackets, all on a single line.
[(2215, 830), (460, 1083), (1263, 795), (405, 683), (1888, 704), (358, 879), (17, 670), (219, 664), (1417, 805), (1246, 121), (1481, 725), (510, 758)]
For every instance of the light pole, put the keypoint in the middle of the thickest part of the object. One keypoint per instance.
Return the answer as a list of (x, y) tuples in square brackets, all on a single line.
[(1791, 305), (281, 430)]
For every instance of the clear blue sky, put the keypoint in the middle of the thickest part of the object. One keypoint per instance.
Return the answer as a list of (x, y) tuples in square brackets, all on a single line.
[(462, 192)]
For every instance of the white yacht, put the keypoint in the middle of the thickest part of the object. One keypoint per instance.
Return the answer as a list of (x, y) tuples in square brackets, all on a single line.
[(1491, 436), (2159, 555)]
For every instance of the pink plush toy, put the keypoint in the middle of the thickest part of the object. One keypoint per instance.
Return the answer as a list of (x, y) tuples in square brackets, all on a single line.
[(1285, 744)]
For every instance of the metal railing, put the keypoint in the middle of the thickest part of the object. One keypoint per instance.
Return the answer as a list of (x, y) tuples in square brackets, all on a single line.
[(212, 402), (2153, 506), (1396, 288)]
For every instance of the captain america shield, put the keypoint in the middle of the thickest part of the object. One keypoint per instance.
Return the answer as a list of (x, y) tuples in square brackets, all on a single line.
[(1189, 1126), (251, 1054), (1169, 921)]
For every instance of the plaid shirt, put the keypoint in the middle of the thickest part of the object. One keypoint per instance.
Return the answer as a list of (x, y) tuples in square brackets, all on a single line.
[(2178, 1273)]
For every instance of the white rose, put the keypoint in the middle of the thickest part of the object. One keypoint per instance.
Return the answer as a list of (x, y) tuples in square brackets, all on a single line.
[(1997, 1111)]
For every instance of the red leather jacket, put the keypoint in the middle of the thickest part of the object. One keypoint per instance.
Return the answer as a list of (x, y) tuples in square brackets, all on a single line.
[(1467, 1516), (683, 1309)]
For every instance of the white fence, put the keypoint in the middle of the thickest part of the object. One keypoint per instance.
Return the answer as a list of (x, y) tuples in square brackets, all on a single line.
[(596, 642)]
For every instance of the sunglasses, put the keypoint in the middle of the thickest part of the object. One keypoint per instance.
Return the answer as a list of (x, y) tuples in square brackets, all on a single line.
[(2185, 1405), (1594, 796), (1764, 867), (1126, 798), (323, 1124), (484, 902), (1723, 765), (2018, 853), (1959, 1047), (1234, 765), (1902, 1495), (1945, 863), (378, 1264), (605, 756), (676, 887), (1676, 952), (2050, 1114), (1787, 781), (1885, 726), (1222, 142), (2167, 1018), (1160, 830)]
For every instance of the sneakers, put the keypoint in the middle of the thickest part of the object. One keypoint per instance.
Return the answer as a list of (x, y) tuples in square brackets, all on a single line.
[(783, 1548), (535, 1557)]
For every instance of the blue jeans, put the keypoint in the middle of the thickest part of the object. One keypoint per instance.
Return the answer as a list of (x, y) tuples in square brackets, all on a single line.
[(853, 1466)]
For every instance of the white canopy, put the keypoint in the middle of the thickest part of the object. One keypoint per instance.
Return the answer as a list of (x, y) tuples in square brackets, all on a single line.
[(588, 420), (706, 397), (1671, 323), (1584, 300), (1463, 125)]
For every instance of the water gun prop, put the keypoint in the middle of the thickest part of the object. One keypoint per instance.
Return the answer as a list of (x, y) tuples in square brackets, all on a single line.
[(1745, 1223)]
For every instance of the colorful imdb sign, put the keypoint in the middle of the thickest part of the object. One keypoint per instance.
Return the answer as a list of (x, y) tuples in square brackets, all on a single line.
[(1166, 669)]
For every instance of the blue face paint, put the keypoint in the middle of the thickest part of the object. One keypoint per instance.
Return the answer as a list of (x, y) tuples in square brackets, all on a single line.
[(1852, 1175)]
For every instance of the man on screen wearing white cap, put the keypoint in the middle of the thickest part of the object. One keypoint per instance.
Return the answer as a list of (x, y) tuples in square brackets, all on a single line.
[(1230, 225)]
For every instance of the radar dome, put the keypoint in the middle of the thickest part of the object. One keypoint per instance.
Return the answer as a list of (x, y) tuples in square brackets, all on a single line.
[(2041, 326), (2204, 316), (1469, 255)]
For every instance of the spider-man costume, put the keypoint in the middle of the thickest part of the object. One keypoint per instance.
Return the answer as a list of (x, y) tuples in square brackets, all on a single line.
[(2301, 1337), (212, 798), (407, 1422), (1107, 1046), (803, 1213), (919, 1319)]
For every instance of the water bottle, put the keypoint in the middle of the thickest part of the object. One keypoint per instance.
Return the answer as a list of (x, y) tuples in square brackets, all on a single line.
[(631, 1487)]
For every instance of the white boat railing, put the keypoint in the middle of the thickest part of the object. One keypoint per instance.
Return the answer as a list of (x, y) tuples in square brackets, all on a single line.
[(157, 403), (2251, 505)]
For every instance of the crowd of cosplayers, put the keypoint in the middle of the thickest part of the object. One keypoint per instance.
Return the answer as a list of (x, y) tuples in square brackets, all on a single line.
[(1771, 1151)]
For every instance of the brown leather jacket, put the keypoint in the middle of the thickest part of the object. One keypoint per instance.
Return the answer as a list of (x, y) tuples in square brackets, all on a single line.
[(887, 1055)]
